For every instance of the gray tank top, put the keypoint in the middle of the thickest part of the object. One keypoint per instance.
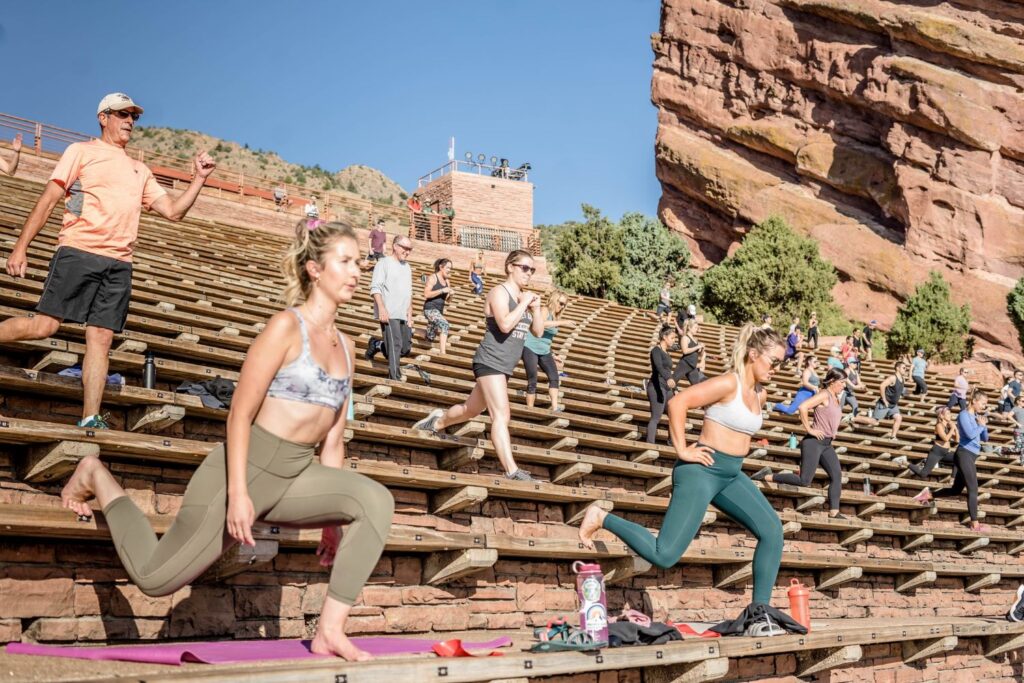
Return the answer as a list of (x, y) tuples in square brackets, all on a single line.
[(501, 350)]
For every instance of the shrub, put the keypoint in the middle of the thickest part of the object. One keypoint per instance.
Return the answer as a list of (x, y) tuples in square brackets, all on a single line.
[(775, 271), (1015, 308), (652, 253), (930, 320), (589, 255)]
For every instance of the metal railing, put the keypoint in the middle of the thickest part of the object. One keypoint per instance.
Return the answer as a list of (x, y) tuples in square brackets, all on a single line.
[(506, 172), (45, 138)]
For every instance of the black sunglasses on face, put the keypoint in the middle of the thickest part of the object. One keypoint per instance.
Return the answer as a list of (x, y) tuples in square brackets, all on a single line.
[(123, 114), (525, 268), (777, 363)]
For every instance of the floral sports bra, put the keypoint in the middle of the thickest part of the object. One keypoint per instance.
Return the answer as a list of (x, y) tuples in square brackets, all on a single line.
[(304, 381)]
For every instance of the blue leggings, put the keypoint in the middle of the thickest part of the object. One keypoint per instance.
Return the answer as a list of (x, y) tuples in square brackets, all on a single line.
[(694, 487), (801, 395)]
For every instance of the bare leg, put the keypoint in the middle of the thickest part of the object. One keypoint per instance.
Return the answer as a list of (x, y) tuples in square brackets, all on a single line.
[(38, 326), (553, 394), (896, 425), (530, 400), (473, 406), (90, 479), (495, 391), (330, 638), (592, 522), (94, 368), (444, 343)]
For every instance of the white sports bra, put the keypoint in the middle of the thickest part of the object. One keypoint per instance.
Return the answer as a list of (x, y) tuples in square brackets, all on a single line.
[(735, 414)]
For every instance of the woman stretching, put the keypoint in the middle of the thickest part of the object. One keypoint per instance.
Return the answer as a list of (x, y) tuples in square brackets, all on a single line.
[(710, 471), (537, 350), (945, 430), (972, 425), (292, 394), (510, 313), (436, 292), (660, 384), (691, 363), (809, 383), (816, 448)]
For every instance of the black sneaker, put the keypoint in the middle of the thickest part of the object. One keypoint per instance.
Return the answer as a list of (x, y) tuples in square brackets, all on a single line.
[(1016, 612), (371, 349), (520, 475)]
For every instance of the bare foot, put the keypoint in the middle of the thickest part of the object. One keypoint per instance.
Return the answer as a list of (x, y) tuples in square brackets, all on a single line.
[(79, 487), (338, 645), (592, 522)]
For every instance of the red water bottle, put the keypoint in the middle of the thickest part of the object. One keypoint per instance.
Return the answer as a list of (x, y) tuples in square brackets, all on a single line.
[(593, 602), (799, 603)]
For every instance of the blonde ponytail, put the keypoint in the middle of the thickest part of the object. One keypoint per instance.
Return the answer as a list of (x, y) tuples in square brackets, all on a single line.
[(757, 338), (312, 238)]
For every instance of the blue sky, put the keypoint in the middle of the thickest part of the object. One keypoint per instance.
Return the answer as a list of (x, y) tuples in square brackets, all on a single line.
[(563, 84)]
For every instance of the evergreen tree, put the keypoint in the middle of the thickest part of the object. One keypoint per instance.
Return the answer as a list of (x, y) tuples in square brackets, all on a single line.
[(775, 271), (653, 253), (589, 255), (1015, 308), (930, 320)]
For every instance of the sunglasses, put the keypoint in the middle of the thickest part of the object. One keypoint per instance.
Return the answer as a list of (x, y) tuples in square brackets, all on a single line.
[(776, 363), (123, 114), (407, 247), (525, 268)]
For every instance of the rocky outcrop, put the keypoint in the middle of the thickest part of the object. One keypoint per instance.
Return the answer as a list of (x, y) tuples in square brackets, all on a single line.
[(891, 132)]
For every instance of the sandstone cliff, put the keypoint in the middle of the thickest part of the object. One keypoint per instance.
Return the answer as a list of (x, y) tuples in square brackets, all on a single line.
[(891, 132)]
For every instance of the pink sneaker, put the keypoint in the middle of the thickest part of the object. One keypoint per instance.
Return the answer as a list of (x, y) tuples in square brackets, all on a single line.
[(924, 497), (981, 528)]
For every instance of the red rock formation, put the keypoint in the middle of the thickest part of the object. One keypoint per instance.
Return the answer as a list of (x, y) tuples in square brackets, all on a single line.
[(892, 133)]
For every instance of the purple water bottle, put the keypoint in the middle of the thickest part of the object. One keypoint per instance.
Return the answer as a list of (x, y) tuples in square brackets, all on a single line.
[(593, 602)]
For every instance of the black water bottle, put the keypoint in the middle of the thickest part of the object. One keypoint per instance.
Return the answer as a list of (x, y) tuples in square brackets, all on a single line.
[(149, 371)]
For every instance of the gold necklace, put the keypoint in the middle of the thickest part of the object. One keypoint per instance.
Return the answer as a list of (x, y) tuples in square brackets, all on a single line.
[(330, 330)]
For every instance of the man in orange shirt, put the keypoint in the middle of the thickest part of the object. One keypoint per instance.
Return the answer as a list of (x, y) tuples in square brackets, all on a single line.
[(90, 277)]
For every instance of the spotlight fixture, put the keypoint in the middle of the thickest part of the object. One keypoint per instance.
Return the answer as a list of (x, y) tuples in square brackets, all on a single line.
[(494, 160), (469, 156), (481, 158)]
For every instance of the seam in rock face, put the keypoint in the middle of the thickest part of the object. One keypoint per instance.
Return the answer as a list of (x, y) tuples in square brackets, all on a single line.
[(820, 109)]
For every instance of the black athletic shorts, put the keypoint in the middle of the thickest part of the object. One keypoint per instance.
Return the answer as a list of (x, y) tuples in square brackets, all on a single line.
[(87, 288), (481, 370)]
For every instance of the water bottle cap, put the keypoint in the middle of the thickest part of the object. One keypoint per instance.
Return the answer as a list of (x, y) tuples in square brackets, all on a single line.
[(579, 567), (795, 582)]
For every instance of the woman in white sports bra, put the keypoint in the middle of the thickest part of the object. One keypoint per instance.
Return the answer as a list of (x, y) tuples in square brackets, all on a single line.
[(710, 472)]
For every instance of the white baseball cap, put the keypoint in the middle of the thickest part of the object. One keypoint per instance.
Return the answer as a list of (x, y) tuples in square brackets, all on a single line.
[(117, 101)]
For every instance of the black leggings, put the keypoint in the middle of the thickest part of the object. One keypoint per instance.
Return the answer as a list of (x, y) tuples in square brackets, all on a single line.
[(658, 396), (531, 360), (920, 386), (812, 337), (812, 453), (966, 475), (936, 455)]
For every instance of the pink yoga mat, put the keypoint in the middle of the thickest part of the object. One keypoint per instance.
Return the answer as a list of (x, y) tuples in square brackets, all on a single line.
[(233, 651)]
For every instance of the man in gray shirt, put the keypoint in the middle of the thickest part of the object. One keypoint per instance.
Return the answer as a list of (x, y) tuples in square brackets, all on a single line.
[(391, 289)]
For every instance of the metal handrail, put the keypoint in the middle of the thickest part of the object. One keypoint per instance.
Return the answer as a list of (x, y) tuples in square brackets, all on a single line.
[(506, 172)]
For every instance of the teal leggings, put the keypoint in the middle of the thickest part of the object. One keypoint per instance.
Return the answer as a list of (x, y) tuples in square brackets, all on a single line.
[(694, 486)]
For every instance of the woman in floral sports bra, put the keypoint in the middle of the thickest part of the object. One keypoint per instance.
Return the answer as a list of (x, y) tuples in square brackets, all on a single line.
[(292, 394)]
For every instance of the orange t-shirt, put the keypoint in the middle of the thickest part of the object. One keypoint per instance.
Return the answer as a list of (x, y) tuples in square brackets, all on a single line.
[(114, 189)]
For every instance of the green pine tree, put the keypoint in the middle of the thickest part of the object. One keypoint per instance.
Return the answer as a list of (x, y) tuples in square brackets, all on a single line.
[(1015, 308), (777, 272), (588, 255), (653, 253), (930, 320)]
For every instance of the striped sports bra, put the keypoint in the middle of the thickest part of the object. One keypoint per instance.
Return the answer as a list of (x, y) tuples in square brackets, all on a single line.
[(304, 381), (734, 414)]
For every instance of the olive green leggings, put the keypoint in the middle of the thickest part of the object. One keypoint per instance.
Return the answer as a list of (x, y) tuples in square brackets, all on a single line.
[(694, 486), (287, 489)]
